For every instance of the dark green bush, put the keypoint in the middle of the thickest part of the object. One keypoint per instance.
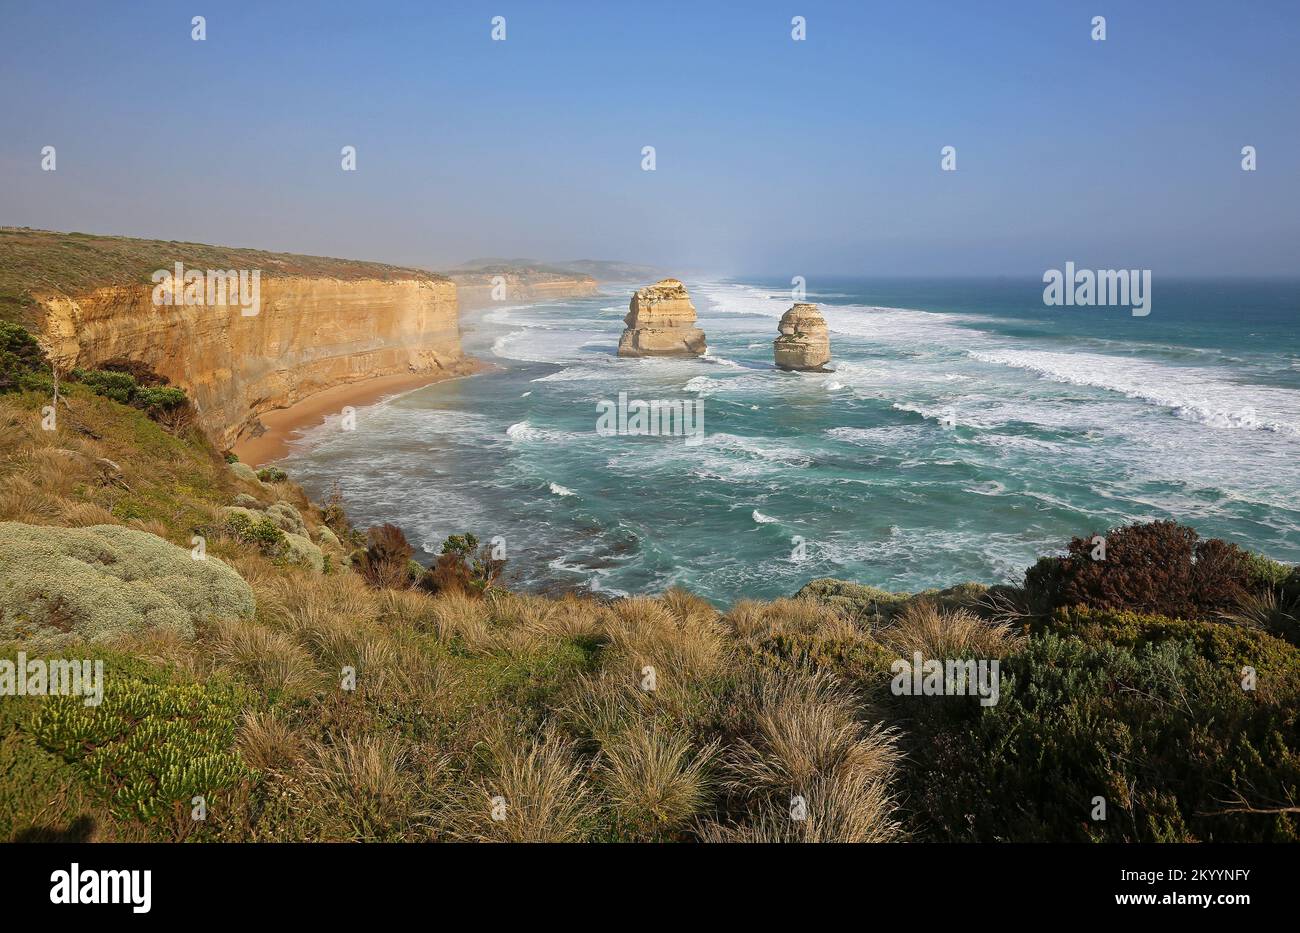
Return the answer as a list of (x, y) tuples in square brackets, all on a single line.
[(272, 475), (1168, 736), (22, 362), (120, 387)]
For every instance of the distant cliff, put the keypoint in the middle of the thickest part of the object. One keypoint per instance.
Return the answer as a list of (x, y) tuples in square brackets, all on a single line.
[(475, 288), (318, 323)]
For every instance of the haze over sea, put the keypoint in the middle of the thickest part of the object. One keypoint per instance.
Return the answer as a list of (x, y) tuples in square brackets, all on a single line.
[(967, 429)]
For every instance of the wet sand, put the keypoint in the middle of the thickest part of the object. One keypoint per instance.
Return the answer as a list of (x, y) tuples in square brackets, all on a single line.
[(283, 423)]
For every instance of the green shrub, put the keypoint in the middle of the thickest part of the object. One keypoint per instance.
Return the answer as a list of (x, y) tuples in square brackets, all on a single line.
[(1167, 736), (157, 399), (59, 585), (272, 475), (1264, 572), (257, 529), (120, 387), (854, 600), (149, 748), (22, 362)]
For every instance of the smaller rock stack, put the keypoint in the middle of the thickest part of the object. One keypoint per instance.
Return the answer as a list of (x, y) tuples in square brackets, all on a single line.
[(805, 341), (661, 322)]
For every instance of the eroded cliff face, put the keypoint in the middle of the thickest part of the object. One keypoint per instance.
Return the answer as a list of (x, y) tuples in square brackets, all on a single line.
[(475, 288), (311, 333), (661, 322)]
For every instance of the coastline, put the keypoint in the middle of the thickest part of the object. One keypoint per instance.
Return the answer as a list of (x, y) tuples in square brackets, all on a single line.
[(283, 423)]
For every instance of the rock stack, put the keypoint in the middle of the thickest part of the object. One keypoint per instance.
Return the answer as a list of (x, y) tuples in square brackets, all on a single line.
[(805, 341), (661, 322)]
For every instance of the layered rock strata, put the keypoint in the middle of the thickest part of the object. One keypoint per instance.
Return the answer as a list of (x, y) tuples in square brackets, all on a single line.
[(661, 322), (805, 341), (309, 334)]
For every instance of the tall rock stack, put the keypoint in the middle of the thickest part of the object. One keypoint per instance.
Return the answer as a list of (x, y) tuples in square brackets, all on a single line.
[(805, 341), (661, 322)]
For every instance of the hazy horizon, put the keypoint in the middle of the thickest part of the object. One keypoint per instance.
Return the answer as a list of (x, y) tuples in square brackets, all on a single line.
[(772, 155)]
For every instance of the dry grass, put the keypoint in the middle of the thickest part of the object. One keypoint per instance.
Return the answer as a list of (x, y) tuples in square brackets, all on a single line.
[(655, 781), (941, 634), (365, 789), (843, 808), (269, 660), (804, 727), (645, 633), (267, 743), (533, 791)]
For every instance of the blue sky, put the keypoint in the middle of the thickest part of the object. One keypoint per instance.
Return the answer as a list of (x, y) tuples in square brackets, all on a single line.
[(772, 155)]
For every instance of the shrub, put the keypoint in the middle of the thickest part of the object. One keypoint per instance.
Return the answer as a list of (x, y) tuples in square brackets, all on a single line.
[(149, 748), (22, 362), (120, 387), (167, 405), (140, 371), (254, 528), (1165, 735), (463, 567), (385, 561), (272, 475), (1158, 567), (95, 583)]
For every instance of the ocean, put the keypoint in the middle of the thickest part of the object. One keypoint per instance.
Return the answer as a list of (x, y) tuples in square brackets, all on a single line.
[(966, 430)]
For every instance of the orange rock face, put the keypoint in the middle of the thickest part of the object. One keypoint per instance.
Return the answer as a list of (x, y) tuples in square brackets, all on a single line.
[(309, 334)]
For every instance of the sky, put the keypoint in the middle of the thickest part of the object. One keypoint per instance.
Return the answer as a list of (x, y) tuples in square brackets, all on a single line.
[(772, 155)]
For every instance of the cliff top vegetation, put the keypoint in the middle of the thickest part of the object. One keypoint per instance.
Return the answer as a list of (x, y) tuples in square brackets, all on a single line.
[(74, 263)]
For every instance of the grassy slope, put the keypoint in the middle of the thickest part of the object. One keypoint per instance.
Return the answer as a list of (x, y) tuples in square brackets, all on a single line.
[(541, 701), (74, 263)]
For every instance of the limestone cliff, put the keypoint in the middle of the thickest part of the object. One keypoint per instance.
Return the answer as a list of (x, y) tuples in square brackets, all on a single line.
[(309, 334), (805, 341), (661, 322), (475, 289)]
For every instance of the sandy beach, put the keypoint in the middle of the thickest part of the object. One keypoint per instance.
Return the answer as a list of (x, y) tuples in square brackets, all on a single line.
[(282, 424)]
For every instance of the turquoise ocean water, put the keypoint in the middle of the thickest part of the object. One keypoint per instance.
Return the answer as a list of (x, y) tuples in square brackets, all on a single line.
[(966, 430)]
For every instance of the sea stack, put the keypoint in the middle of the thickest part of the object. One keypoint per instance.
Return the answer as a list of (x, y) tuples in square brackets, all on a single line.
[(661, 322), (805, 341)]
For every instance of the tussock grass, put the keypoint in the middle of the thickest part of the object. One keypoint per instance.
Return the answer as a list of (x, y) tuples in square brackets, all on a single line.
[(947, 633)]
